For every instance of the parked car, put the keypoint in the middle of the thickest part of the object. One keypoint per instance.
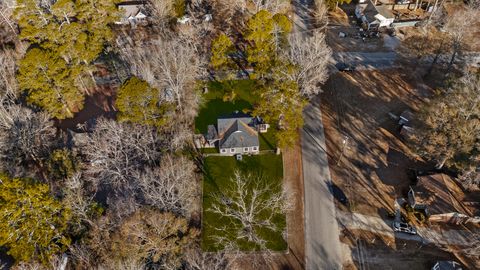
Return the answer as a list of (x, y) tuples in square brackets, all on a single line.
[(403, 2), (403, 227), (344, 67)]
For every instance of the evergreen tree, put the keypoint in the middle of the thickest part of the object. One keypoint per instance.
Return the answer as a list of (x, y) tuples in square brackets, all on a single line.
[(281, 102), (140, 103), (222, 46), (32, 223), (71, 34), (50, 83)]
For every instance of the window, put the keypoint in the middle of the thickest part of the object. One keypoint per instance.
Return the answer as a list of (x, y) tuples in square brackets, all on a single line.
[(232, 150), (245, 149), (224, 150), (255, 148)]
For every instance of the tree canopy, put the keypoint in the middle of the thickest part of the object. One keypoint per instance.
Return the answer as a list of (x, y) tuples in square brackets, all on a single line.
[(449, 130), (140, 103), (33, 224), (222, 46), (50, 83), (66, 36)]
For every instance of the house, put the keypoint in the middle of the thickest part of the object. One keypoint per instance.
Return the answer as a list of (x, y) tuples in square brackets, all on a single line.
[(373, 17), (447, 265), (133, 12), (441, 199), (236, 134)]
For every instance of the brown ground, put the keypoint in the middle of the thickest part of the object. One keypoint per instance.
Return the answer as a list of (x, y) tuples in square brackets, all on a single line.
[(371, 166), (373, 252), (343, 20), (294, 258)]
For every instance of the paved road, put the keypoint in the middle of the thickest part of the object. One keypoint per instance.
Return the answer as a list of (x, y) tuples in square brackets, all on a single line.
[(367, 60), (322, 243)]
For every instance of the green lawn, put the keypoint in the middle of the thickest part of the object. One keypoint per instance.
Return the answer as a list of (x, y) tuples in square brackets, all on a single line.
[(214, 106), (219, 171)]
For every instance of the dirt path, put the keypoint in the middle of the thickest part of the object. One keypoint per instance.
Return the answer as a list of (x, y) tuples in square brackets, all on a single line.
[(356, 221)]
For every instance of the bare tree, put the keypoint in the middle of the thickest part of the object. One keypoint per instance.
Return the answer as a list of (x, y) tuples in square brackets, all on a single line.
[(6, 10), (172, 65), (78, 200), (196, 259), (26, 138), (321, 12), (250, 205), (171, 186), (8, 83), (311, 55), (162, 11), (459, 26), (117, 150)]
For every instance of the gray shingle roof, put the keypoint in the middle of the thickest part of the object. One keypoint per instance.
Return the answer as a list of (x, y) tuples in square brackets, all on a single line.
[(236, 132)]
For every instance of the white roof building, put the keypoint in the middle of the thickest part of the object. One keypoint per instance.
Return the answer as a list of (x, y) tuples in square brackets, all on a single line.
[(132, 12)]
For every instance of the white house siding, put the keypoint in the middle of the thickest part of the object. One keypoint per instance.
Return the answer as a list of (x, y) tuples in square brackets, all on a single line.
[(239, 150)]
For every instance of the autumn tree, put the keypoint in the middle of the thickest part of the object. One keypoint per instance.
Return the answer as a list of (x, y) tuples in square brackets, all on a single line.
[(159, 238), (138, 102), (250, 208), (26, 138), (449, 128), (33, 224)]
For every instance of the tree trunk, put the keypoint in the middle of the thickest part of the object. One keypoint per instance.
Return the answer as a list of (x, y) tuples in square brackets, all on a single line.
[(430, 68), (450, 64), (441, 163)]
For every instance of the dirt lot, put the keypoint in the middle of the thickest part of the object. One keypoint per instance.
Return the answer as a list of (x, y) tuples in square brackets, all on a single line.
[(343, 20), (368, 159), (373, 252)]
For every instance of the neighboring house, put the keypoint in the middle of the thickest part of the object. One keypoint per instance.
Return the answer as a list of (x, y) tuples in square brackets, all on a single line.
[(236, 134), (447, 265), (441, 199), (373, 17), (133, 12)]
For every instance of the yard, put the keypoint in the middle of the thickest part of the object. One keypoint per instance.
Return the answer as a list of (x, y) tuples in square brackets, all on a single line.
[(218, 172), (214, 106)]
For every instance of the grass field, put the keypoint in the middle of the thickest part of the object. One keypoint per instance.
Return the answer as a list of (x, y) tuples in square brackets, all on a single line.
[(219, 171), (214, 106)]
